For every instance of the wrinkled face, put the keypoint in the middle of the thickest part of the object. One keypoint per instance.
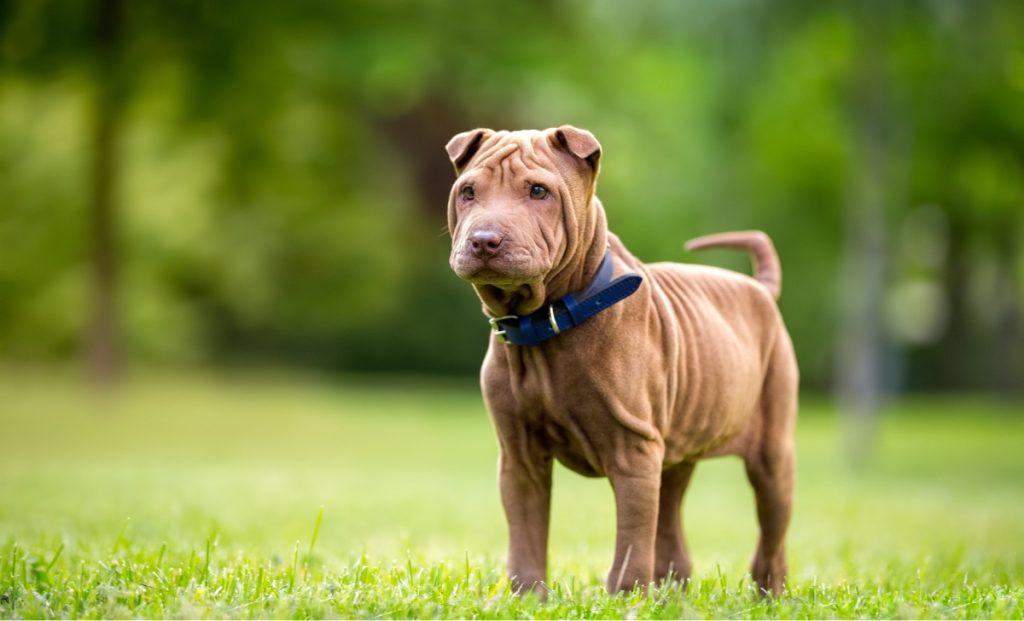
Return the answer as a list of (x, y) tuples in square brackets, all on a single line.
[(515, 206)]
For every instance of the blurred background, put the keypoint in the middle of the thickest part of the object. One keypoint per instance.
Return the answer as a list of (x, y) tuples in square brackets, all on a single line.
[(208, 183), (231, 214)]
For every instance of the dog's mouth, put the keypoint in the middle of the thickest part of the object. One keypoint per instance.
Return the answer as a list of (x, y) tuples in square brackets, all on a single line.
[(495, 278), (497, 271)]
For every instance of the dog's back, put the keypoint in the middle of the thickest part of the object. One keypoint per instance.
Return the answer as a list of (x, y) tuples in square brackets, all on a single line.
[(729, 324)]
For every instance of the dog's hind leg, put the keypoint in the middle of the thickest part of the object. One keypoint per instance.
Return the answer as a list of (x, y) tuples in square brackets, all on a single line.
[(773, 487), (770, 465), (671, 556)]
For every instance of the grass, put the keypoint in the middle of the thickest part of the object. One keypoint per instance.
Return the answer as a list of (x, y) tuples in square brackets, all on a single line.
[(268, 495)]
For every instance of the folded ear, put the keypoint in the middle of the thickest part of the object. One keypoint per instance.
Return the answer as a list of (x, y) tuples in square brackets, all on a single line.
[(462, 147), (580, 143)]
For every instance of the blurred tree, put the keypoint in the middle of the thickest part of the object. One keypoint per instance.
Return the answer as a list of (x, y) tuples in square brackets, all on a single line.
[(103, 347), (872, 186), (281, 176)]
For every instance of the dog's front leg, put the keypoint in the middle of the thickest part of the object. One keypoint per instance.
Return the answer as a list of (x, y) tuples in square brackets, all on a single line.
[(636, 508), (526, 495)]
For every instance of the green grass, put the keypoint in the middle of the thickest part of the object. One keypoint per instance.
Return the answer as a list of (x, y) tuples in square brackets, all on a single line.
[(200, 496)]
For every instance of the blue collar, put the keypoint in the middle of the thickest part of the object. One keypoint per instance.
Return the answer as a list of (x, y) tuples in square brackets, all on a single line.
[(567, 312)]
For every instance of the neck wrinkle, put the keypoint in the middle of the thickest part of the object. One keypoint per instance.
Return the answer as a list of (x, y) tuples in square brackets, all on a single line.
[(581, 267), (498, 302)]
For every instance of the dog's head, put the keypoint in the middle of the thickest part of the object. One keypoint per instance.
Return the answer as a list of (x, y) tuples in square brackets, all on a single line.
[(521, 212)]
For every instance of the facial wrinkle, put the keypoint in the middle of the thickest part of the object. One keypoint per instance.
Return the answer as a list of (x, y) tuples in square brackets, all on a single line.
[(572, 232), (518, 164), (506, 169), (496, 141), (530, 154), (550, 240), (492, 157), (559, 280)]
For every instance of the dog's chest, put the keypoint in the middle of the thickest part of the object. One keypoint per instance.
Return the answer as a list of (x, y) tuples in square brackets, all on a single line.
[(570, 434), (565, 407)]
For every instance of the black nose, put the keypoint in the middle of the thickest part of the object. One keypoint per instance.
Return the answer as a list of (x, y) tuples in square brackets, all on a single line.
[(485, 243)]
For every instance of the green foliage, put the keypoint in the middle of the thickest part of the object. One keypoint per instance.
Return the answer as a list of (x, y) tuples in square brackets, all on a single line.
[(282, 179), (267, 495)]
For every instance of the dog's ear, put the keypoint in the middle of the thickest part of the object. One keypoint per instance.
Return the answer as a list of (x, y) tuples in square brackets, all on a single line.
[(462, 147), (580, 143)]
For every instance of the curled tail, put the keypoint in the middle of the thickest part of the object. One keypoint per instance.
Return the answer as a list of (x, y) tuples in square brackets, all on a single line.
[(767, 270)]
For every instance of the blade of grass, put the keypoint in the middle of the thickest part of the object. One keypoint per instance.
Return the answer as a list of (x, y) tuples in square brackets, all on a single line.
[(316, 530), (295, 567)]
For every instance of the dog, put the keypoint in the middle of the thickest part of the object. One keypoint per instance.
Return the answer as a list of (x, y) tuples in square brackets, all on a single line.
[(614, 367)]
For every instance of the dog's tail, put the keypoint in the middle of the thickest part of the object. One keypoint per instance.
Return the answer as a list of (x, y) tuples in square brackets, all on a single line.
[(767, 270)]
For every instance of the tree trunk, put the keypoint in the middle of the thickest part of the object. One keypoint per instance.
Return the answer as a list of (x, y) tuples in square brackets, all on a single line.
[(103, 353), (858, 365), (1008, 334)]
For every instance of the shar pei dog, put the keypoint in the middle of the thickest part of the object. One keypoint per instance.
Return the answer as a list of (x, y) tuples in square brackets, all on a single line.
[(616, 368)]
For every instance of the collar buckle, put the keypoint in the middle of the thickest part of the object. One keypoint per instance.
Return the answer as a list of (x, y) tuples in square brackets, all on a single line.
[(496, 327), (552, 320)]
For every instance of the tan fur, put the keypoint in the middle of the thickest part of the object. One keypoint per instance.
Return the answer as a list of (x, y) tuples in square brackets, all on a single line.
[(697, 363)]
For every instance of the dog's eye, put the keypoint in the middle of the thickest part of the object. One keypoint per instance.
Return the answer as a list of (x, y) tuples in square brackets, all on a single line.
[(468, 193), (537, 191)]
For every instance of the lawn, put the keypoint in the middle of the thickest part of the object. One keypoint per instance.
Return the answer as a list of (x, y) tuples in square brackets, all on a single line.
[(201, 495)]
